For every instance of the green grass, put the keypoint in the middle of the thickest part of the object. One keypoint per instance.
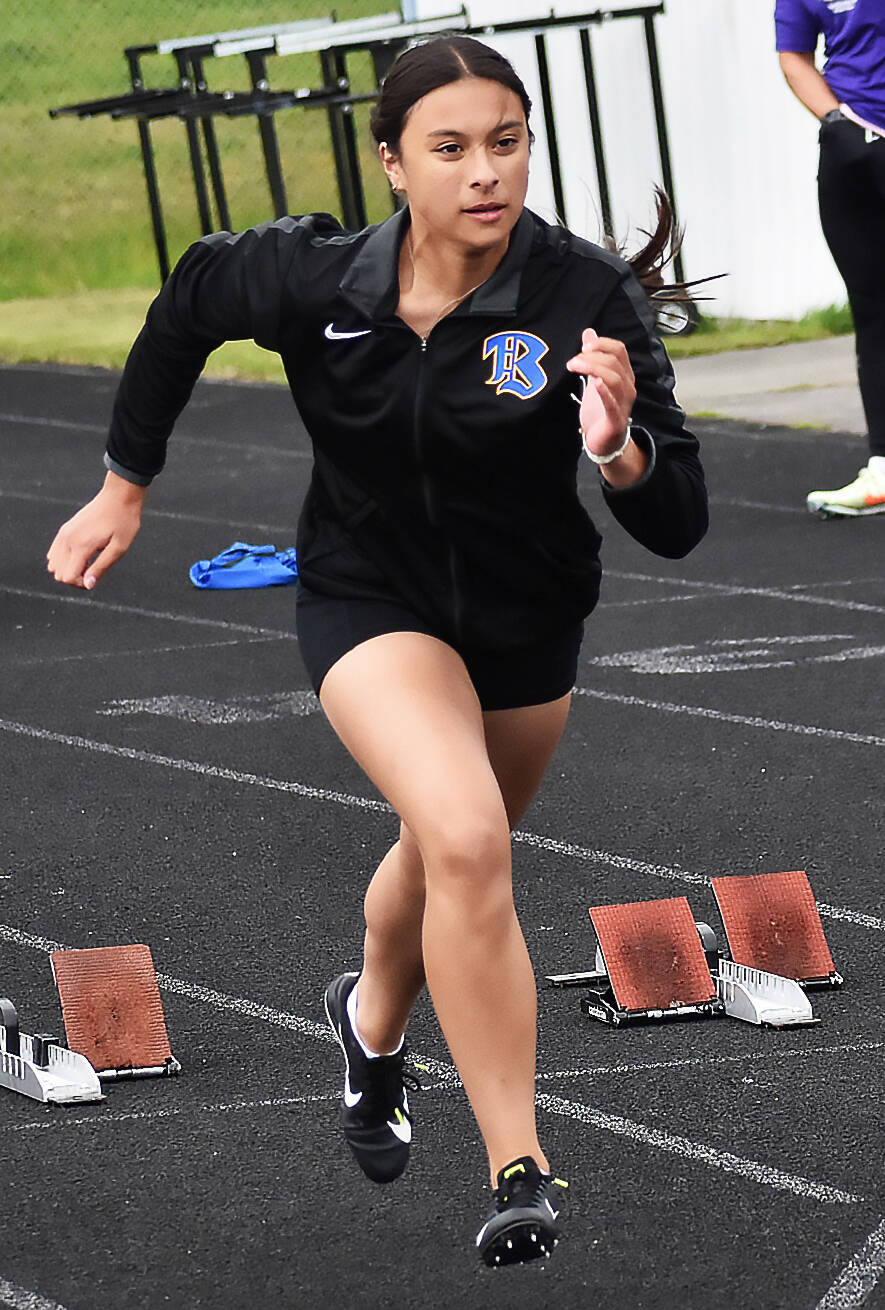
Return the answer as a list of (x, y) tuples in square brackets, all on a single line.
[(74, 211), (98, 327), (715, 335)]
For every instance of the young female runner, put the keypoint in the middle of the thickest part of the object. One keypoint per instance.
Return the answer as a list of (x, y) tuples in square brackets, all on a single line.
[(849, 99), (446, 562)]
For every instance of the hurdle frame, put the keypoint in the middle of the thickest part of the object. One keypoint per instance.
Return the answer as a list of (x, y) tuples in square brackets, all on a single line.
[(383, 36)]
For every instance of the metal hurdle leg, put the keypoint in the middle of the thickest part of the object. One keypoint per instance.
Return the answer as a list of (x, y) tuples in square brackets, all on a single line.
[(344, 148), (661, 124), (605, 203), (550, 128), (133, 58), (382, 60), (193, 144), (213, 158), (270, 146)]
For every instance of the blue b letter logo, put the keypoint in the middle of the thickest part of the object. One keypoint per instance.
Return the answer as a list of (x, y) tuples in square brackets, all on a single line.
[(516, 366)]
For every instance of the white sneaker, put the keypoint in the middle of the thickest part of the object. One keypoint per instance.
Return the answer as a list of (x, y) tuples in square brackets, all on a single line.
[(865, 495)]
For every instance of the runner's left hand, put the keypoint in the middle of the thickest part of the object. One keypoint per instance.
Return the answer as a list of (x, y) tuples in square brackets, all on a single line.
[(609, 391)]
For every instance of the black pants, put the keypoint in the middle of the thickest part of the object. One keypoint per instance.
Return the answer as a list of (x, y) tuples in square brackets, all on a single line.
[(851, 191)]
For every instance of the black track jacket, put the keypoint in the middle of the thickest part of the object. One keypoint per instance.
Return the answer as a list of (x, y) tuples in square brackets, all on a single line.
[(445, 469)]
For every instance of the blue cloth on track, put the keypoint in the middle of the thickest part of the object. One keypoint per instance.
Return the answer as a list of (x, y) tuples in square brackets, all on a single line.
[(242, 565)]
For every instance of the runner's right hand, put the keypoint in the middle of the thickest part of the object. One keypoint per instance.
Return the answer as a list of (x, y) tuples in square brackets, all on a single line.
[(88, 544)]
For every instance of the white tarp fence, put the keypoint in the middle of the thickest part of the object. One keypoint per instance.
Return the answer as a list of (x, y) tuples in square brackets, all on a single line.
[(743, 150)]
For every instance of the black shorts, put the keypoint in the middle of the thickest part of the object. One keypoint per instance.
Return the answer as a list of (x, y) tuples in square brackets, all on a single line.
[(329, 626)]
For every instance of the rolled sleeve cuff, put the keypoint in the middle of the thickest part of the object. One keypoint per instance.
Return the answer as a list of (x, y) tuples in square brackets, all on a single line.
[(128, 475), (644, 442)]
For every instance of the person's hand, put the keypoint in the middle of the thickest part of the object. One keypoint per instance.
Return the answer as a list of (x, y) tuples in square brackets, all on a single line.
[(609, 391), (89, 543)]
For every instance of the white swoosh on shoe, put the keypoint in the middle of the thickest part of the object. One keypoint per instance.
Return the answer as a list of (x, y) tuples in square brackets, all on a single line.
[(401, 1130), (350, 1098), (332, 335)]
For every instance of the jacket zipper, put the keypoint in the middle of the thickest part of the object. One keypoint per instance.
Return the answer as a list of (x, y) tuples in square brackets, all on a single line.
[(417, 433), (427, 488)]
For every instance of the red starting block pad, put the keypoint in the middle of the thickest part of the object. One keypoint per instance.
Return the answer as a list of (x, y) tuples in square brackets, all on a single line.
[(112, 1010), (771, 922), (655, 962)]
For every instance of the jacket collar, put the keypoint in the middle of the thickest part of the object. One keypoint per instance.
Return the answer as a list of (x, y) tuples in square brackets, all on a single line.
[(372, 281)]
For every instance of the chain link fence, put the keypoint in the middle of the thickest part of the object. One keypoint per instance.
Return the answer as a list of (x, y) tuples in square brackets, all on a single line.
[(74, 212)]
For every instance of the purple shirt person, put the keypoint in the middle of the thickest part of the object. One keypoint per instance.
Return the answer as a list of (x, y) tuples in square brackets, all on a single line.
[(848, 97), (854, 37)]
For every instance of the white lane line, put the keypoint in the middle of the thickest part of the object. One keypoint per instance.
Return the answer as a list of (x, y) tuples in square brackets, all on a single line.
[(192, 766), (192, 991), (107, 1118), (757, 504), (584, 1114), (240, 709), (662, 1141), (103, 1117), (872, 581), (150, 511), (850, 916), (733, 654), (179, 438), (856, 1282), (19, 1298), (648, 600), (703, 1061), (746, 720), (62, 423), (672, 873), (82, 598), (765, 593), (240, 1005), (140, 650)]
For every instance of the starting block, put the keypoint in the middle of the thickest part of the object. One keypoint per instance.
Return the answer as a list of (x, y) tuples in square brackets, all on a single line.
[(114, 1024), (771, 923), (654, 961)]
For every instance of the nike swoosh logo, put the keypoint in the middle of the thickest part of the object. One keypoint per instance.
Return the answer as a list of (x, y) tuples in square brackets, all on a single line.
[(401, 1130), (332, 335), (350, 1098), (554, 1213)]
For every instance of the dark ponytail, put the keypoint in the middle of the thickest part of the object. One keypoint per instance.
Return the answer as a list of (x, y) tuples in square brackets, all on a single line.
[(662, 247), (432, 64)]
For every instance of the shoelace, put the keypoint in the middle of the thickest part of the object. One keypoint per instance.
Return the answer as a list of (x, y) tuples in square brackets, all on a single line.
[(523, 1192), (390, 1075)]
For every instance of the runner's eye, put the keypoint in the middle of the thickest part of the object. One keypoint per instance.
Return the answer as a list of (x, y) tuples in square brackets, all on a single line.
[(448, 148)]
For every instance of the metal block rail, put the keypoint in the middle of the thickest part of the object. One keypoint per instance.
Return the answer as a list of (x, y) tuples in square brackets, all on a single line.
[(384, 36)]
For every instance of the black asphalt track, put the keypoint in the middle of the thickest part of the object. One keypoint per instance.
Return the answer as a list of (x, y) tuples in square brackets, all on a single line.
[(165, 779)]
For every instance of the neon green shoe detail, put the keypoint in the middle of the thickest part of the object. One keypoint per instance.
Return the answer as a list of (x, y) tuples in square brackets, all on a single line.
[(865, 495)]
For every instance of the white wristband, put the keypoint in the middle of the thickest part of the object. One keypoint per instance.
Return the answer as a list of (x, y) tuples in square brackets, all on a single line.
[(615, 454)]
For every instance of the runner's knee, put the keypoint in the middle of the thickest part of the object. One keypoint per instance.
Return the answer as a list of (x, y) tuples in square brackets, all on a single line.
[(469, 853)]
